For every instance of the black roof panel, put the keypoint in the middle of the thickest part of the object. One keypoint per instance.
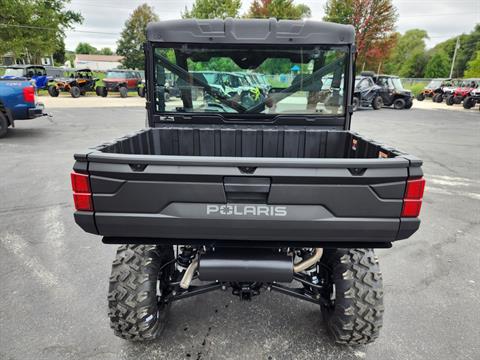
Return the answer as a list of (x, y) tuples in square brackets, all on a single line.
[(250, 31)]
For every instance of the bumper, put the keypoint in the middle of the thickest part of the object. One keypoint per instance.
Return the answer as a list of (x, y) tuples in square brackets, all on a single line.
[(36, 111), (297, 229)]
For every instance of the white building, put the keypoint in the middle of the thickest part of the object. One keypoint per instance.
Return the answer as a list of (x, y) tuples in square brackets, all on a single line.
[(97, 62)]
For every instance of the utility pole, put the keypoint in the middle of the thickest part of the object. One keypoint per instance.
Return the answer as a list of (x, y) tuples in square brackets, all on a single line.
[(457, 46)]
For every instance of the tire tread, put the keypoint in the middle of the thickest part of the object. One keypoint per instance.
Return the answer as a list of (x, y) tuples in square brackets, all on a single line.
[(357, 316), (132, 298)]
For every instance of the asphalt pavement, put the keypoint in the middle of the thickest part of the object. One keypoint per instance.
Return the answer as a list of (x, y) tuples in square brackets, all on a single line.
[(54, 277)]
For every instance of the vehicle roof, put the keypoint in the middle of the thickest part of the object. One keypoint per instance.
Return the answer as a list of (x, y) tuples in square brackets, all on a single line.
[(22, 66), (121, 70), (386, 76), (250, 31)]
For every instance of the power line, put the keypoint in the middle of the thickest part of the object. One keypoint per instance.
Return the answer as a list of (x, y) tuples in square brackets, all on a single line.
[(56, 29)]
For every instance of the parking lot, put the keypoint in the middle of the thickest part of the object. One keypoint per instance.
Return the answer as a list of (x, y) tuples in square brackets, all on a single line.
[(54, 276)]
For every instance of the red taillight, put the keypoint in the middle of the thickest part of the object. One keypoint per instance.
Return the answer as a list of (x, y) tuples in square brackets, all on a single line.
[(83, 202), (414, 189), (80, 183), (412, 201), (29, 94), (82, 196)]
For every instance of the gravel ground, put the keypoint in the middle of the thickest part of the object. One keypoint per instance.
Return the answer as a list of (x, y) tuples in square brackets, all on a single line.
[(54, 277)]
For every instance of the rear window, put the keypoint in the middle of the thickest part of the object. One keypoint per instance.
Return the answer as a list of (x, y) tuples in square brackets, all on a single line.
[(116, 75), (301, 79)]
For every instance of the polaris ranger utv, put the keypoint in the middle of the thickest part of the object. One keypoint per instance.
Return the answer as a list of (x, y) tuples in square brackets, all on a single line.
[(218, 195)]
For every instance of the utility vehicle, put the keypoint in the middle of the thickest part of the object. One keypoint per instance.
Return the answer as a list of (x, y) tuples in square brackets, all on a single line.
[(393, 92), (433, 88), (277, 196), (77, 83), (366, 94), (37, 73), (447, 89), (461, 92)]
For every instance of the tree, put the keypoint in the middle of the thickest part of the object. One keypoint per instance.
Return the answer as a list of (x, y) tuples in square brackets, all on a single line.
[(438, 66), (473, 67), (34, 28), (373, 20), (469, 45), (380, 51), (213, 9), (133, 36), (280, 9), (85, 48), (105, 51), (409, 57), (59, 54)]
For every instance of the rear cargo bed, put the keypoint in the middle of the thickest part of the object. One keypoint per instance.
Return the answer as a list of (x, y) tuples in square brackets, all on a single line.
[(247, 184), (244, 141)]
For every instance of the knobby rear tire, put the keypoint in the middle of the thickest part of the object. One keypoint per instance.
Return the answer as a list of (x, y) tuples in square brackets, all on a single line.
[(136, 311), (355, 317), (468, 102)]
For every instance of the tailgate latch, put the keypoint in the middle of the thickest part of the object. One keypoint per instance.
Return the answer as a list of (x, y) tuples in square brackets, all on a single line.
[(246, 189)]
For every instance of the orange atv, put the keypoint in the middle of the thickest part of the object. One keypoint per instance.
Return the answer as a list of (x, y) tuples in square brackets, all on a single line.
[(78, 83), (433, 88)]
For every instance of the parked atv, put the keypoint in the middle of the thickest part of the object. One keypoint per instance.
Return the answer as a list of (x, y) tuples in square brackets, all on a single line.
[(433, 88), (366, 94), (462, 92), (446, 90), (77, 84), (392, 91), (37, 73), (121, 81), (472, 99)]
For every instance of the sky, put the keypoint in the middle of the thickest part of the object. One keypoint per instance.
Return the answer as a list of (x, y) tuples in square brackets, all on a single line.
[(104, 19)]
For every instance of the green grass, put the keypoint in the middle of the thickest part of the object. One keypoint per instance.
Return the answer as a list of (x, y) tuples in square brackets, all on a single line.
[(100, 76), (415, 88), (278, 84)]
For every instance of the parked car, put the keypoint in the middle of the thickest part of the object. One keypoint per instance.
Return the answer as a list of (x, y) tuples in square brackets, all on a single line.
[(17, 102), (461, 92), (392, 91), (472, 99), (121, 81), (253, 197), (37, 73), (77, 83), (433, 89), (366, 93)]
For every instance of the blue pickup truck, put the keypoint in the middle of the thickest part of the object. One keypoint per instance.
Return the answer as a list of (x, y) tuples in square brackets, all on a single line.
[(17, 102)]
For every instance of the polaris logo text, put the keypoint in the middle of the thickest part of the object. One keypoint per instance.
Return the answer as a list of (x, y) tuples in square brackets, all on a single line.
[(246, 210)]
